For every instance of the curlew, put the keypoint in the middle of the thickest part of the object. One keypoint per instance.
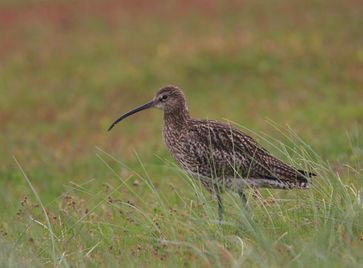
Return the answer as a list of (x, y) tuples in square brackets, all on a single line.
[(222, 157)]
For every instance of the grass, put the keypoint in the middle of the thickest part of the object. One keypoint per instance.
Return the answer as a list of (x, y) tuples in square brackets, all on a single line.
[(68, 69), (178, 226)]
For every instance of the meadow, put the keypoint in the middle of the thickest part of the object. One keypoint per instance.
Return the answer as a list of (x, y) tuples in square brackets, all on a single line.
[(288, 73)]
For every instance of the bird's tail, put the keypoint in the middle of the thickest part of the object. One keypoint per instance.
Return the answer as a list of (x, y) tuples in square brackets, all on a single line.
[(307, 173), (301, 181)]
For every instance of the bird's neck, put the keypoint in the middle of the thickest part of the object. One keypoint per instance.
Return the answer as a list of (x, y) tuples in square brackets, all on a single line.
[(175, 119)]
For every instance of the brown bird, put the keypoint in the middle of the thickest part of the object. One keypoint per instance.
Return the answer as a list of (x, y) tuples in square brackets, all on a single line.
[(219, 155)]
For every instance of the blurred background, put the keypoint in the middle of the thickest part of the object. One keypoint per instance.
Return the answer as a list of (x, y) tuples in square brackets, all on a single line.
[(69, 68)]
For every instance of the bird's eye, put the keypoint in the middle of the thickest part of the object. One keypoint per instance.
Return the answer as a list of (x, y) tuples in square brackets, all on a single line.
[(164, 97)]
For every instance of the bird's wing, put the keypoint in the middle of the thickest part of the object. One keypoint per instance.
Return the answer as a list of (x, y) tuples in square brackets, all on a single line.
[(208, 150), (225, 151)]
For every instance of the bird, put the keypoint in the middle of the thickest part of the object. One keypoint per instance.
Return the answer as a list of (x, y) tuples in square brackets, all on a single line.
[(222, 157)]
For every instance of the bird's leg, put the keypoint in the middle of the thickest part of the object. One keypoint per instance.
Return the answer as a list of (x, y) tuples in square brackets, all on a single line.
[(220, 208), (243, 198)]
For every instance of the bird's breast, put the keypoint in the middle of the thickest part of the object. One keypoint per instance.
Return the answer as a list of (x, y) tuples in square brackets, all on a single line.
[(171, 138)]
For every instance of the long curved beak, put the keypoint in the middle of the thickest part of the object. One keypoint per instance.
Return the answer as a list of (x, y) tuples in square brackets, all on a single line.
[(133, 111)]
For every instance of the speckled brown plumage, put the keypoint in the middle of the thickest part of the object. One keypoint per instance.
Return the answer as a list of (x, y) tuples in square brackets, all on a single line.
[(221, 156)]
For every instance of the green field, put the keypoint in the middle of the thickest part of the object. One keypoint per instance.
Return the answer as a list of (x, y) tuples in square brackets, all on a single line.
[(289, 73)]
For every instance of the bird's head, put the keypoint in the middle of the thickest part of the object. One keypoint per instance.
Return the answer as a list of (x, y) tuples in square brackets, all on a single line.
[(169, 99)]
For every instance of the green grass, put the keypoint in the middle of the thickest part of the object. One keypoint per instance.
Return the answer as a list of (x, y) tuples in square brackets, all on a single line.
[(290, 71)]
